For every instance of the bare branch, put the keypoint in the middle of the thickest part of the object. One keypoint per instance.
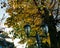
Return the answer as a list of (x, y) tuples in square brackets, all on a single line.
[(52, 4)]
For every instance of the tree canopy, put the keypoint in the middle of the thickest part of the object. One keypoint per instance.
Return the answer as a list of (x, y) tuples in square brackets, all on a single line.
[(30, 12)]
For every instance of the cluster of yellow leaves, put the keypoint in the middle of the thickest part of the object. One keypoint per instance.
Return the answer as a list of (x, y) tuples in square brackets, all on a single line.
[(47, 40), (31, 41)]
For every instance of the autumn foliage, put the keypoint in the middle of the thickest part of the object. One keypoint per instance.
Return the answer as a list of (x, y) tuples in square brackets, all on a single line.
[(24, 12)]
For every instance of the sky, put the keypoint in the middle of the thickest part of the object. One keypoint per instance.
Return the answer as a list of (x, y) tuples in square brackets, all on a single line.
[(2, 12)]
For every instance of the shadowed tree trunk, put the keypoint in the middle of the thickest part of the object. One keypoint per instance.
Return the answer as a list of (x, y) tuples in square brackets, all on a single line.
[(52, 32)]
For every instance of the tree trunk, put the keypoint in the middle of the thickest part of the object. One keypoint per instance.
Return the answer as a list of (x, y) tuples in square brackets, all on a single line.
[(52, 32)]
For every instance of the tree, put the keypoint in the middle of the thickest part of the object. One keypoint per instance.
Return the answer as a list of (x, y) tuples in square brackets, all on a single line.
[(30, 12)]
